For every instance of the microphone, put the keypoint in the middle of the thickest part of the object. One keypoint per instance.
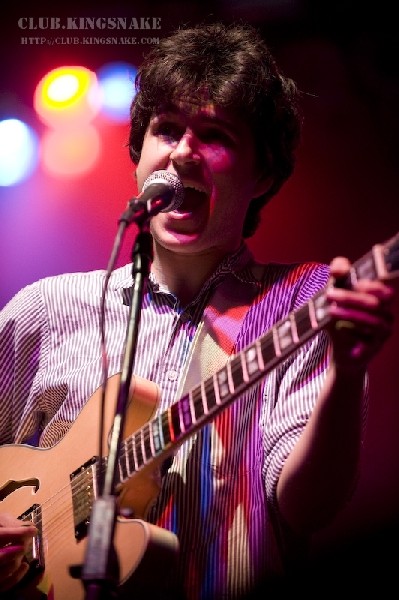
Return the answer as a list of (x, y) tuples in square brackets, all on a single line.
[(162, 192)]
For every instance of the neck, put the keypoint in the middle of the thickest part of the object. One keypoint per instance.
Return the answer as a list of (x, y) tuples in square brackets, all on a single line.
[(185, 274)]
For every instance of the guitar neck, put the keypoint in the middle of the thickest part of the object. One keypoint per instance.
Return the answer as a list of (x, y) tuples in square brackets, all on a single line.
[(159, 436)]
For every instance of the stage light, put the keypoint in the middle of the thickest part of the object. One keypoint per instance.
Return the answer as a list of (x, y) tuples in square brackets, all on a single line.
[(19, 154), (66, 95), (116, 82), (72, 152)]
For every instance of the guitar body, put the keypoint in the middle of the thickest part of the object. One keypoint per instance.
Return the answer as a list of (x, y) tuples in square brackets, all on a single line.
[(42, 478), (58, 482)]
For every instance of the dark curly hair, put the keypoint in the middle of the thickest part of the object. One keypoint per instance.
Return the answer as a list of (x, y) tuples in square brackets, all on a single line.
[(233, 66)]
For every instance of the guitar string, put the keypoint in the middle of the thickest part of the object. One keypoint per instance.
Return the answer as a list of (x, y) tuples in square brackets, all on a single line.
[(236, 368), (143, 436), (79, 484)]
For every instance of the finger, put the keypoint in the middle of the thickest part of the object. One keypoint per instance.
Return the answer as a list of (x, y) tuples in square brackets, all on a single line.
[(353, 332), (11, 558), (9, 534), (13, 576), (367, 294), (340, 266), (8, 521), (383, 292), (365, 314)]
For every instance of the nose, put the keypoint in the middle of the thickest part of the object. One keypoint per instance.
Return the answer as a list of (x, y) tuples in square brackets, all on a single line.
[(186, 150)]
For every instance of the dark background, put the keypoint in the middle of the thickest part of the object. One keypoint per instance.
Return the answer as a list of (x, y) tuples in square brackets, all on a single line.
[(342, 199)]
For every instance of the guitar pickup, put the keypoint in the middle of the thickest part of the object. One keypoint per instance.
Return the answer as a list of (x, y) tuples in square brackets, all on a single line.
[(35, 555), (84, 491)]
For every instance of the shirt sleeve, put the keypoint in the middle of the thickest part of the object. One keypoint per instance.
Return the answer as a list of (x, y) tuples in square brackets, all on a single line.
[(291, 392), (23, 329), (295, 388)]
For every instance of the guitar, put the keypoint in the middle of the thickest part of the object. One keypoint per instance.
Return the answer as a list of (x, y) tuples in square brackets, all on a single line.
[(55, 487)]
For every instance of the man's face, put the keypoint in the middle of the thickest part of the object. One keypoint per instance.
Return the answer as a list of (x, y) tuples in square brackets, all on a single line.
[(212, 151)]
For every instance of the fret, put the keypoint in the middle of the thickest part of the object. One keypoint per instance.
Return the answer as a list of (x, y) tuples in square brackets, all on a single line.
[(377, 259), (303, 322), (222, 380), (157, 439), (137, 449), (236, 370), (174, 422), (251, 357), (133, 454), (259, 354), (268, 349), (285, 335), (320, 313), (165, 428), (146, 439), (129, 458), (185, 413), (124, 461), (207, 407), (197, 403), (366, 268), (312, 314), (380, 264), (276, 341), (387, 258), (353, 275), (294, 331), (245, 376), (141, 443), (210, 394), (166, 431), (250, 364)]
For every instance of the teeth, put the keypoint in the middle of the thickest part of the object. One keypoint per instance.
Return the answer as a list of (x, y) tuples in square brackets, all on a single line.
[(194, 187)]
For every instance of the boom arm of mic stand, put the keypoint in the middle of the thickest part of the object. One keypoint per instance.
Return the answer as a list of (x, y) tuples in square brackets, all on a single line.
[(100, 570)]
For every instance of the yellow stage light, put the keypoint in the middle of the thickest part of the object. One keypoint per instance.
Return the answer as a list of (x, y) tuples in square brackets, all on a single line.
[(67, 94)]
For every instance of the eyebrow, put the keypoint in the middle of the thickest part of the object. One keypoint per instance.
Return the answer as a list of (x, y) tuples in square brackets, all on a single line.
[(203, 116)]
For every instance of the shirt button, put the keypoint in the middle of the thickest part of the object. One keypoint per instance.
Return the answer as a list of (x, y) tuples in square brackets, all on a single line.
[(172, 375)]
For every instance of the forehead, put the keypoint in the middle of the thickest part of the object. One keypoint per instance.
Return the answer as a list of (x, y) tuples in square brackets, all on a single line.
[(201, 109)]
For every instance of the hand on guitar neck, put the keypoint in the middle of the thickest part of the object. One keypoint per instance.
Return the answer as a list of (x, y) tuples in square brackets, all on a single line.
[(359, 325)]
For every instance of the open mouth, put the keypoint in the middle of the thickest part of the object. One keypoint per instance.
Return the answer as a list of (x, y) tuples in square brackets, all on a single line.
[(194, 197)]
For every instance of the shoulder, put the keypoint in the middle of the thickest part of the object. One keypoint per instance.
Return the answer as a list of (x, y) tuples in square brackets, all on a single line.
[(61, 292), (291, 274), (83, 283), (292, 284)]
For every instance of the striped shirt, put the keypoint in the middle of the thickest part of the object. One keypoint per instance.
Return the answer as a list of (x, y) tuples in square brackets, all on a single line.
[(218, 496)]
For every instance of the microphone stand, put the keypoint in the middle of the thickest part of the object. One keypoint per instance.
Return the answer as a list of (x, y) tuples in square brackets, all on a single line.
[(100, 572)]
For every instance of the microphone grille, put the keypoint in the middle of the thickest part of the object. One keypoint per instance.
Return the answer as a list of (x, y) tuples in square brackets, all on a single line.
[(172, 181)]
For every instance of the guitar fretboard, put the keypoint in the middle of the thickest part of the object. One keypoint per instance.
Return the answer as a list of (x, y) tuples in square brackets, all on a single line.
[(243, 370)]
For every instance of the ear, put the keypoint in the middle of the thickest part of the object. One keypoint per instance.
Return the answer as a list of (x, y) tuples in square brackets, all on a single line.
[(262, 185)]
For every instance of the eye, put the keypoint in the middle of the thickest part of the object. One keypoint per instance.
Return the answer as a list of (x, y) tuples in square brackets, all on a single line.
[(215, 135), (168, 130)]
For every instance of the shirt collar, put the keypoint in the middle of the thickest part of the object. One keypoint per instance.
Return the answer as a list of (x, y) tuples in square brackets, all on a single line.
[(238, 264)]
